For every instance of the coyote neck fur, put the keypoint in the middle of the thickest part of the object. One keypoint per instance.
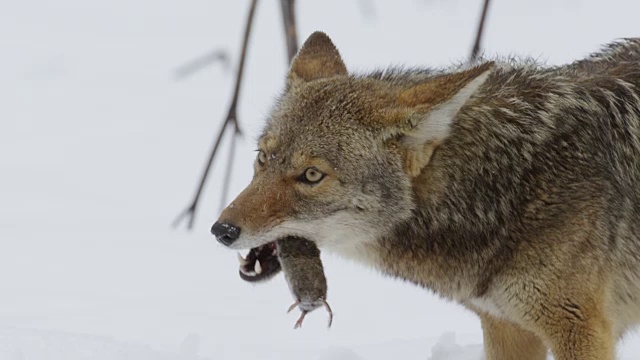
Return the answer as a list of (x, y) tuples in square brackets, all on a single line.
[(507, 169)]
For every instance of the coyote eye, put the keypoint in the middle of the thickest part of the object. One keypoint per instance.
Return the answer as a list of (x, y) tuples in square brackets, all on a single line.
[(262, 157), (311, 175)]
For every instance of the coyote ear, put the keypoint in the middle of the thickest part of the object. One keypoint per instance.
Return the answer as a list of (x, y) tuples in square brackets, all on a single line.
[(318, 58), (428, 110)]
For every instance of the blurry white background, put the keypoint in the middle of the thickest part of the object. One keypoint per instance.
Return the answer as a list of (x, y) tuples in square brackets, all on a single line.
[(100, 148)]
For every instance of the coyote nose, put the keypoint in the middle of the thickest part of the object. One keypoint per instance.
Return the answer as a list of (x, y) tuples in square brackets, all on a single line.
[(225, 232)]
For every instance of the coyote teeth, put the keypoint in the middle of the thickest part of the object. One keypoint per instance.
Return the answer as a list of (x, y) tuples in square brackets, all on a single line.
[(242, 260), (258, 267)]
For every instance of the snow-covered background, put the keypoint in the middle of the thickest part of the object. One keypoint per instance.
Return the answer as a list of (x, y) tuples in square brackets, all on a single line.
[(100, 148)]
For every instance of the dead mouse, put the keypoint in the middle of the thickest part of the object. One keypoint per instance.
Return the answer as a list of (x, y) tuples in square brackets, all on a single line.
[(302, 267)]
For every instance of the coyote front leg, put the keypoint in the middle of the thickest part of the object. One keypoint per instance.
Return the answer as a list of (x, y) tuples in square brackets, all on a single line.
[(569, 318), (588, 340), (506, 341)]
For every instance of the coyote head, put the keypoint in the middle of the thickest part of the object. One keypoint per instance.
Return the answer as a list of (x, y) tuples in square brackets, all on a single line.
[(339, 156)]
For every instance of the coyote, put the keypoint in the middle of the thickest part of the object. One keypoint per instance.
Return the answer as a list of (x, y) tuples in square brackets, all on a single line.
[(509, 187)]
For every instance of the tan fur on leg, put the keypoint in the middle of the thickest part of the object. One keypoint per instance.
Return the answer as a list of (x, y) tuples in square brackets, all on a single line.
[(591, 340), (507, 341)]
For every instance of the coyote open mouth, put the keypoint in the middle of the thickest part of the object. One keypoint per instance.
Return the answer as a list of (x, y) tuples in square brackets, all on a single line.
[(261, 263)]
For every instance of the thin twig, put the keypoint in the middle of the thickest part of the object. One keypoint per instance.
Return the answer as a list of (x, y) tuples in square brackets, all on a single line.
[(227, 178), (476, 46), (190, 211), (201, 62), (231, 119), (290, 30)]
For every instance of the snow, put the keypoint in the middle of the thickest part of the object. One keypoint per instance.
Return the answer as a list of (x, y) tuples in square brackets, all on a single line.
[(100, 147), (21, 344)]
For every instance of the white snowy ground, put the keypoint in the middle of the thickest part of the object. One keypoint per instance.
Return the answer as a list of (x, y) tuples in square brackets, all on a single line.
[(100, 148)]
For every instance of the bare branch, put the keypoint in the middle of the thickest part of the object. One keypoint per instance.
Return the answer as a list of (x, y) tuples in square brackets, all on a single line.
[(476, 46), (202, 62), (231, 119), (227, 177), (290, 30), (190, 211)]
